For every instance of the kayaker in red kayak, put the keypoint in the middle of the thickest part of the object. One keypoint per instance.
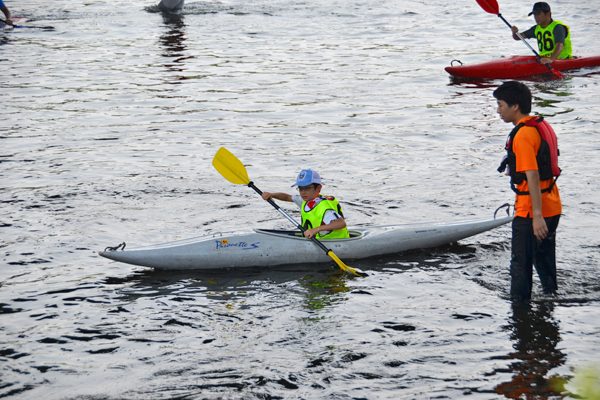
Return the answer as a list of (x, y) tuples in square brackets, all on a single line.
[(321, 215), (538, 207), (553, 37)]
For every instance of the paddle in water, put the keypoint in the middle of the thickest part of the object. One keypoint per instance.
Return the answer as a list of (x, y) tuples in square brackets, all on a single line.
[(234, 171), (45, 28), (491, 6)]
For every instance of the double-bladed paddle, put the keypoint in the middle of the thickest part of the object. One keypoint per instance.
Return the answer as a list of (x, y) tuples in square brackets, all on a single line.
[(234, 171), (491, 6)]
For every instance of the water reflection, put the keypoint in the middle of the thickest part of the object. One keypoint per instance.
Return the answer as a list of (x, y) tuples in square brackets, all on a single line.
[(230, 284), (325, 290), (536, 335), (549, 96), (173, 44), (469, 83)]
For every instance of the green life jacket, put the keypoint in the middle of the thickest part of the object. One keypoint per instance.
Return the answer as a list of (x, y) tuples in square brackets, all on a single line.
[(547, 43), (313, 212)]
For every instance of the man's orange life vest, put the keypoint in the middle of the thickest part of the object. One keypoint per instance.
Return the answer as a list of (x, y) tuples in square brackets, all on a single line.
[(547, 155)]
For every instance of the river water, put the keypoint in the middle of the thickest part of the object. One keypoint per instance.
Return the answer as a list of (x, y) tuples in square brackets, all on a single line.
[(111, 115)]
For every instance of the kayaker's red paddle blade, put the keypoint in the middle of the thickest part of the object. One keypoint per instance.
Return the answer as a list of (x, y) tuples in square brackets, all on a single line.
[(490, 6), (555, 72)]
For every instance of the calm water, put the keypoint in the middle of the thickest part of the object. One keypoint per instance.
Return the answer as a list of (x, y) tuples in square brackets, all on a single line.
[(111, 114)]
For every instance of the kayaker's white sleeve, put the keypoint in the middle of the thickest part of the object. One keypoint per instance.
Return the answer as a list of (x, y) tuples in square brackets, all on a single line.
[(298, 200), (330, 216)]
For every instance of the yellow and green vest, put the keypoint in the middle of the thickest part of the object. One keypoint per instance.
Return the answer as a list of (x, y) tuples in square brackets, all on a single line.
[(546, 42), (316, 212)]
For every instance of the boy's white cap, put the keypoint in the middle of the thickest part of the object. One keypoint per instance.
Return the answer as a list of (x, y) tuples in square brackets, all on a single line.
[(306, 177)]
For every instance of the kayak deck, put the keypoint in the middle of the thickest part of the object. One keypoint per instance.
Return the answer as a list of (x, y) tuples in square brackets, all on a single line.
[(518, 67), (297, 234)]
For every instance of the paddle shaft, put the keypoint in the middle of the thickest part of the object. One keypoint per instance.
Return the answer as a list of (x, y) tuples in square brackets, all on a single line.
[(292, 220), (519, 35)]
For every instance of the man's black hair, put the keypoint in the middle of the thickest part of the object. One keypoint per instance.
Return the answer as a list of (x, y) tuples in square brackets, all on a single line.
[(514, 92)]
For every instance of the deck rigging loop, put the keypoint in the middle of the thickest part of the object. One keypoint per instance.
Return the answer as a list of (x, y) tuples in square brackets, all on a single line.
[(119, 247), (507, 205), (452, 62)]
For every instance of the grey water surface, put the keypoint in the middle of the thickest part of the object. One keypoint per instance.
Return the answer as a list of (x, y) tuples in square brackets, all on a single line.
[(111, 113)]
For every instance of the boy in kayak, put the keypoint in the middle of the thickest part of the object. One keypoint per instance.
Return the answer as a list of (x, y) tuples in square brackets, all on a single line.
[(532, 157), (6, 12), (322, 216), (553, 37)]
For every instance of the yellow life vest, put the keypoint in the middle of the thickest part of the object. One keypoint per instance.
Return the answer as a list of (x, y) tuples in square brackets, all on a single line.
[(547, 43), (313, 212)]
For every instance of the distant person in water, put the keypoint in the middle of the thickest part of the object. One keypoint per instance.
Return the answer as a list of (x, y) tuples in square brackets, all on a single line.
[(6, 12), (169, 5), (553, 37)]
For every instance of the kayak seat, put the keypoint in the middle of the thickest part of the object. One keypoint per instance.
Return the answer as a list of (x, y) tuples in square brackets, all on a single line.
[(283, 233), (353, 234)]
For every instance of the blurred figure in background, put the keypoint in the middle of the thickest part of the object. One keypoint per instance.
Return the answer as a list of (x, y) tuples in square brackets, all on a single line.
[(168, 5), (6, 12)]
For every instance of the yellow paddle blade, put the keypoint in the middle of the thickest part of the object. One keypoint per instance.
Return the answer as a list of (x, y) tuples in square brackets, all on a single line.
[(230, 167), (342, 265)]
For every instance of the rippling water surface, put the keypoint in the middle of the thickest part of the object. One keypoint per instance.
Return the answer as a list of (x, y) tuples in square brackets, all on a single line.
[(111, 114)]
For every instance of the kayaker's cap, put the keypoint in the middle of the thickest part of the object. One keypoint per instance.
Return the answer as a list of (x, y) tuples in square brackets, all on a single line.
[(306, 177), (540, 6)]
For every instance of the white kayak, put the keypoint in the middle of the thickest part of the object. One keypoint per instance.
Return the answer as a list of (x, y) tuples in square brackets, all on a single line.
[(262, 247)]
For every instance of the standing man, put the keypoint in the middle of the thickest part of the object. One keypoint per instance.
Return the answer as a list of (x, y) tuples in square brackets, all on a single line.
[(6, 12), (532, 163), (553, 37)]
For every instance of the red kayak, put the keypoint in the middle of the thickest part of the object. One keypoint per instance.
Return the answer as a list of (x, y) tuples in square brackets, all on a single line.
[(518, 67)]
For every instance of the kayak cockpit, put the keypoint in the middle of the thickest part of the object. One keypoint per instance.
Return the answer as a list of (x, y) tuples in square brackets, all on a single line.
[(299, 235)]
